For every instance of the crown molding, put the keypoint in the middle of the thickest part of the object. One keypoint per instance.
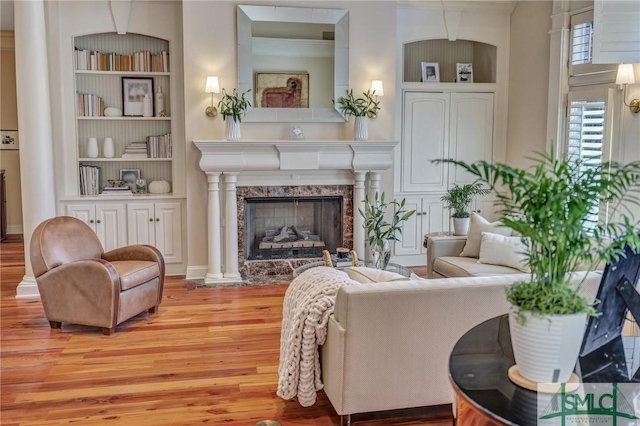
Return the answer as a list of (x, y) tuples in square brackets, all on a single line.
[(466, 6)]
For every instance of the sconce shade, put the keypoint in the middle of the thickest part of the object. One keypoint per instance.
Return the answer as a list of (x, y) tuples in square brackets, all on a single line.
[(376, 85), (212, 86), (625, 74)]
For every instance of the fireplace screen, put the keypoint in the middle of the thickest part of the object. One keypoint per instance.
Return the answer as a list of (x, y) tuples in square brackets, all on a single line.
[(287, 228)]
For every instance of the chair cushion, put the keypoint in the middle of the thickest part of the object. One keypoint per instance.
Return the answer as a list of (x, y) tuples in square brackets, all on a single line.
[(365, 275), (454, 266), (135, 272)]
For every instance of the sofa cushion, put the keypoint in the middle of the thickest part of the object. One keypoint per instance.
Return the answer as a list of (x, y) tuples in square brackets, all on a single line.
[(454, 266), (365, 275), (135, 272), (479, 225), (505, 251)]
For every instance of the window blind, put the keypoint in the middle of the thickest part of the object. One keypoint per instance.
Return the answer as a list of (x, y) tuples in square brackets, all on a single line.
[(582, 43)]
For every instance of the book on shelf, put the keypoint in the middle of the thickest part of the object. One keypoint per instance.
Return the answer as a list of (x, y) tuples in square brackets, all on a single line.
[(90, 105), (89, 180), (153, 147), (143, 61), (119, 191)]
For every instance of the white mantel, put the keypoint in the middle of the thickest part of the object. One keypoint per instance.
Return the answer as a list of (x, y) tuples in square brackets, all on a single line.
[(271, 163)]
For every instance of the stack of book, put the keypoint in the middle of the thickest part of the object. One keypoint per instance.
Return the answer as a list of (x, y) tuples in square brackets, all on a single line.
[(136, 150), (89, 180), (341, 262), (119, 191), (143, 61), (160, 146), (90, 105)]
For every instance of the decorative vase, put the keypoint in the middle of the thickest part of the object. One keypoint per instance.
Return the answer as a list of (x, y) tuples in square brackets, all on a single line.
[(461, 225), (159, 187), (233, 129), (360, 130), (108, 150), (159, 101), (381, 253), (147, 106), (546, 348), (92, 148)]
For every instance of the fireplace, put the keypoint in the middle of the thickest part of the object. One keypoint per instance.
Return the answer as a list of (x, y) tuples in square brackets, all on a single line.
[(292, 228)]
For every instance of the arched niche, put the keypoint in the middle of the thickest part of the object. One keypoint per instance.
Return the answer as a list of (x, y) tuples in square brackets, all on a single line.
[(447, 54)]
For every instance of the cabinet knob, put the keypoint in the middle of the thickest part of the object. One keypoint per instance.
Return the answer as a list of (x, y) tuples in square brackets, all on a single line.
[(150, 219), (418, 214), (157, 219), (98, 221), (91, 221), (424, 213)]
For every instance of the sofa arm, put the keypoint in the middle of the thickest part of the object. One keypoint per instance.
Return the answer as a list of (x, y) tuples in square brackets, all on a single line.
[(81, 292), (443, 246)]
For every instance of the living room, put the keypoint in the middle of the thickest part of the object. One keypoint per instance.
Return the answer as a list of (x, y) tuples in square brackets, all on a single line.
[(238, 327)]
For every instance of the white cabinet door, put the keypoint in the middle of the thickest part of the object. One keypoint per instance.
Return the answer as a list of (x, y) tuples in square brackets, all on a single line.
[(168, 228), (484, 206), (84, 212), (410, 239), (471, 137), (425, 137), (435, 218), (141, 223), (110, 225)]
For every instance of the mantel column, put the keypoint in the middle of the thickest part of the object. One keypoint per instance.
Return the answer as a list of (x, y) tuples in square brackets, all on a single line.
[(358, 220), (34, 122), (231, 228), (214, 272), (374, 184)]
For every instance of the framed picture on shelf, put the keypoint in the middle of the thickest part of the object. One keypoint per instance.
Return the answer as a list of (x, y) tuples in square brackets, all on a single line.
[(430, 71), (130, 178), (134, 90), (464, 73)]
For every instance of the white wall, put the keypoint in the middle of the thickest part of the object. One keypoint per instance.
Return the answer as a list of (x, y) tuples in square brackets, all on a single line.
[(210, 49), (528, 81)]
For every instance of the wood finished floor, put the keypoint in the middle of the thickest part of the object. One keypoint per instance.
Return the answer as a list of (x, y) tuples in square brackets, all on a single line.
[(210, 356)]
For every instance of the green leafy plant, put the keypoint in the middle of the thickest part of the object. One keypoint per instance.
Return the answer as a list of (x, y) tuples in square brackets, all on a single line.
[(359, 107), (459, 198), (233, 105), (375, 225), (551, 205)]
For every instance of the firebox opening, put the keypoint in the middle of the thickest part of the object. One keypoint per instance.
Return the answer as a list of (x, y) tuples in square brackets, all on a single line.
[(289, 228)]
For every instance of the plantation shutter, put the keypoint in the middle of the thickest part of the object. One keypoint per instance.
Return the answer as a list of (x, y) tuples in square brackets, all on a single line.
[(581, 49), (588, 125)]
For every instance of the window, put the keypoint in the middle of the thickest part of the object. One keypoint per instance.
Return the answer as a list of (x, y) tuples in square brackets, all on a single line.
[(588, 129), (581, 49)]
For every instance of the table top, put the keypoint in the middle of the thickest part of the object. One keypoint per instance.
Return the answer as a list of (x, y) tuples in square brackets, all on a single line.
[(480, 359), (391, 267)]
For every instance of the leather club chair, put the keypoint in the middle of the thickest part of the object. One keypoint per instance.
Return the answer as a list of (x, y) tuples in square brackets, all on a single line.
[(81, 284)]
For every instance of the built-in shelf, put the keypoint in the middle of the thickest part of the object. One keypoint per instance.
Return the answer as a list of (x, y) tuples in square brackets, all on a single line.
[(120, 159), (125, 118), (120, 198), (125, 73), (457, 87)]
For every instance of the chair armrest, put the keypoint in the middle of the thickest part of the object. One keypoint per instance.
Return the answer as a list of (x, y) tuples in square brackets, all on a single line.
[(139, 252), (82, 292), (443, 246)]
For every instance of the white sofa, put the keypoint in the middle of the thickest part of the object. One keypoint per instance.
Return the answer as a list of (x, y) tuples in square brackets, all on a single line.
[(388, 344)]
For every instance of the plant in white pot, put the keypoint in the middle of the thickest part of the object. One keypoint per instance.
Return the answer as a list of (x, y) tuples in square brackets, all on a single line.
[(379, 231), (458, 200), (554, 207), (360, 108), (234, 107)]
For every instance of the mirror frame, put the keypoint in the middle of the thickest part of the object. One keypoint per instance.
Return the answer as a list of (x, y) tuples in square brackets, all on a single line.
[(338, 17)]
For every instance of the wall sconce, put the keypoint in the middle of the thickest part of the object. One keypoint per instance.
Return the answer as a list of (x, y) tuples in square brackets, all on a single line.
[(625, 76), (212, 86), (376, 86)]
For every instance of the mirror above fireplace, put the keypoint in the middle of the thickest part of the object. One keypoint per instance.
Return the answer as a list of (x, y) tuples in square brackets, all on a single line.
[(263, 30)]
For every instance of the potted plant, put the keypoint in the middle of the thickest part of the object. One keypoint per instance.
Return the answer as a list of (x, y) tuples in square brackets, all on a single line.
[(379, 231), (235, 107), (552, 206), (360, 108), (458, 200)]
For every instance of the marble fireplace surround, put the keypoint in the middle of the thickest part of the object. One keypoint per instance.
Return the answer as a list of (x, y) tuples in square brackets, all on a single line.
[(280, 163)]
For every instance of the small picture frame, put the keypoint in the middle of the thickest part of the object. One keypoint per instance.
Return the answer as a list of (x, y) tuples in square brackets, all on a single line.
[(133, 91), (141, 186), (430, 71), (130, 178), (464, 73)]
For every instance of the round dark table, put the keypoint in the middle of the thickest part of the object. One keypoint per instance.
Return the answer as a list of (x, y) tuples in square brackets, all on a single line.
[(478, 372)]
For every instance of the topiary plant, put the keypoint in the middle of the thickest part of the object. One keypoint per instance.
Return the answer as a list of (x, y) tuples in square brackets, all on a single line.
[(233, 105)]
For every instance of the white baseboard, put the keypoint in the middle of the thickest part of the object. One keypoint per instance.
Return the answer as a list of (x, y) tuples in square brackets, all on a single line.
[(196, 272), (14, 229), (27, 288)]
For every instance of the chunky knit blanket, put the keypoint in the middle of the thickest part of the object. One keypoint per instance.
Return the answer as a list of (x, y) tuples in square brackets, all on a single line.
[(308, 303)]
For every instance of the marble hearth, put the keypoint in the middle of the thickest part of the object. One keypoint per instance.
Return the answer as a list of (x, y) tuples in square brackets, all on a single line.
[(237, 169)]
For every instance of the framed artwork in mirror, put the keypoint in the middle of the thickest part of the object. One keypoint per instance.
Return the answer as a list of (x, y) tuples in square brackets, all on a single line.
[(282, 90)]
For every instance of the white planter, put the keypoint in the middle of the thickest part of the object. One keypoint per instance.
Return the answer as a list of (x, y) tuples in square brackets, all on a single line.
[(461, 225), (546, 348), (232, 130), (360, 129)]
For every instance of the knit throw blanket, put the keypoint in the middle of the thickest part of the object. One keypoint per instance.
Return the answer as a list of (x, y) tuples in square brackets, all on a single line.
[(308, 303)]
